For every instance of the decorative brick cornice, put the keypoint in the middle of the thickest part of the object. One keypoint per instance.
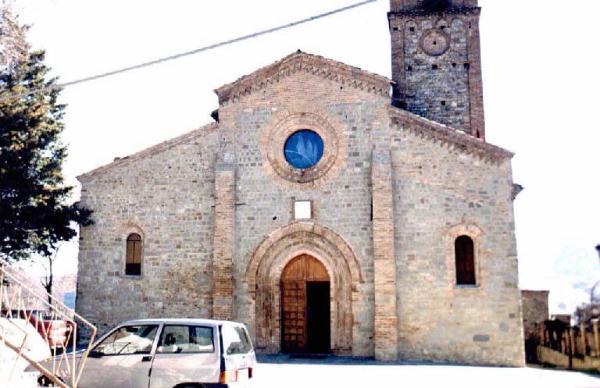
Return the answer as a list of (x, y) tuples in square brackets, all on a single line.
[(161, 147), (307, 63), (441, 133), (420, 12)]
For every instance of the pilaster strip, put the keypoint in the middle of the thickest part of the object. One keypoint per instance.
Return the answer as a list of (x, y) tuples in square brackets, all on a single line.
[(386, 318), (223, 244)]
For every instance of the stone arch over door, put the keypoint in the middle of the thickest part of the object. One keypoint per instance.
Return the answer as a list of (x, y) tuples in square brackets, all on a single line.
[(263, 277)]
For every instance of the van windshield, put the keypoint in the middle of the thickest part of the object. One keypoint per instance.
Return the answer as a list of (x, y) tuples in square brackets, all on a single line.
[(135, 339)]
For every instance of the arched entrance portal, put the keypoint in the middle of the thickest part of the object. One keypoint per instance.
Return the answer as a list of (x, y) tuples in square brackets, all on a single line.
[(305, 312), (263, 282)]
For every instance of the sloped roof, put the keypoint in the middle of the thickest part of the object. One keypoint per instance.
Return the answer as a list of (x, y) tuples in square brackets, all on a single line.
[(308, 63), (160, 147), (338, 72), (461, 141)]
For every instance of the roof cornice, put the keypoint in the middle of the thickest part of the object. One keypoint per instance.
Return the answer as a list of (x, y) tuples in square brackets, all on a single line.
[(160, 147), (437, 132), (310, 64)]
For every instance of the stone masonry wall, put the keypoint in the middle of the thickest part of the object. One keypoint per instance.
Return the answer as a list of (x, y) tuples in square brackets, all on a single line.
[(445, 87), (166, 195), (535, 310), (441, 94), (423, 194), (442, 193), (341, 200)]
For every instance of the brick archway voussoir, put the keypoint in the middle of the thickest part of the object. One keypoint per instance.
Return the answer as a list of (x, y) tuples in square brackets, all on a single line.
[(268, 261), (312, 228)]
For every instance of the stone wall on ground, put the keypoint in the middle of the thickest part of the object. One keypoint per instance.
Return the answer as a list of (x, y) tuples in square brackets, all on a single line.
[(440, 194), (535, 310), (552, 357)]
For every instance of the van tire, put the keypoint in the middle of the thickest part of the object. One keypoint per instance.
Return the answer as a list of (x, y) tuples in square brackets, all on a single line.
[(43, 381)]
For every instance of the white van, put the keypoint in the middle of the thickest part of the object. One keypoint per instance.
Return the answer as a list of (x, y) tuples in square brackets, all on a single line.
[(165, 353)]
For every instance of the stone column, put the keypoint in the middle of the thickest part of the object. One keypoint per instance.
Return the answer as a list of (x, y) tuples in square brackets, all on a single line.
[(223, 241), (386, 318)]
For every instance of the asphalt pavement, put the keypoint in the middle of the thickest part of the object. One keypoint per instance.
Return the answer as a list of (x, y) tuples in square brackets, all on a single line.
[(286, 372)]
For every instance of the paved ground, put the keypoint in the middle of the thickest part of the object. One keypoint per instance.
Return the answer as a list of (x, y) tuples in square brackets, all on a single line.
[(280, 372)]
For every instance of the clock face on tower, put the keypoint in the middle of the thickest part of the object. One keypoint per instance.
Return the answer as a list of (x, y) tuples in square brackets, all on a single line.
[(435, 42)]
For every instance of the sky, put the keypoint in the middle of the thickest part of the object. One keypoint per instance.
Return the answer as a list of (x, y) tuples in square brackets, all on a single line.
[(540, 82)]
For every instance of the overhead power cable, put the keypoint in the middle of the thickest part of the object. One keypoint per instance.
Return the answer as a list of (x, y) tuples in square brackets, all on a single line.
[(187, 53)]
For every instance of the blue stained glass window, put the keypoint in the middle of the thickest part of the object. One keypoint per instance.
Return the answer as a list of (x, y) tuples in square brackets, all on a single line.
[(303, 149)]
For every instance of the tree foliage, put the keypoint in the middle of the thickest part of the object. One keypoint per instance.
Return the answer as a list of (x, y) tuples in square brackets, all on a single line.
[(586, 312), (34, 210), (13, 45)]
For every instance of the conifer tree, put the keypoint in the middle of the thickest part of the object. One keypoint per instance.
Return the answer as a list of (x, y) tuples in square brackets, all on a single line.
[(35, 213), (13, 45)]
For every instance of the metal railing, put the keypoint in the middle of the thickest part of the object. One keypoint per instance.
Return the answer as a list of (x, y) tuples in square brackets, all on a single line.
[(58, 325)]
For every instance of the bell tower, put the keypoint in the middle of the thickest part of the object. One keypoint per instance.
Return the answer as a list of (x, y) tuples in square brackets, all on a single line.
[(436, 61)]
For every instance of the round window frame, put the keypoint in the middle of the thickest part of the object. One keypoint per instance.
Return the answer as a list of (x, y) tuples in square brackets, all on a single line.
[(305, 130), (435, 51), (280, 133)]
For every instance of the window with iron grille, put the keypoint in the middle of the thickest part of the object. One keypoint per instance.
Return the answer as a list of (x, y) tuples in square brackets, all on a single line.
[(465, 261), (133, 262)]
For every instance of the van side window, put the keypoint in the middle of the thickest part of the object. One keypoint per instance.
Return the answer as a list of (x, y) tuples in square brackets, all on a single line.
[(186, 339), (235, 340)]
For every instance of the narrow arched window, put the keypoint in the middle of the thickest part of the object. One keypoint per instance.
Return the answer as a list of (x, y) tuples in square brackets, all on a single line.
[(465, 260), (133, 261)]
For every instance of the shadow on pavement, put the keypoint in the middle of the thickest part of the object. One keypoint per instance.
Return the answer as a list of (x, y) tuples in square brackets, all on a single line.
[(328, 359)]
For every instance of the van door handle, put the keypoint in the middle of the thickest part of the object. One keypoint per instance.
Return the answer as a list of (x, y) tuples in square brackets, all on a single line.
[(146, 358)]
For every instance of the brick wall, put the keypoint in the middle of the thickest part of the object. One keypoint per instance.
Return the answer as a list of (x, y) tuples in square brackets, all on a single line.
[(384, 256), (401, 5)]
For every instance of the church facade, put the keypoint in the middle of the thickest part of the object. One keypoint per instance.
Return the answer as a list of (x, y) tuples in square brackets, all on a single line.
[(328, 208)]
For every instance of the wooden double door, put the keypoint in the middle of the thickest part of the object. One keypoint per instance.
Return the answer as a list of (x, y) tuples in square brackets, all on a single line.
[(305, 307)]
